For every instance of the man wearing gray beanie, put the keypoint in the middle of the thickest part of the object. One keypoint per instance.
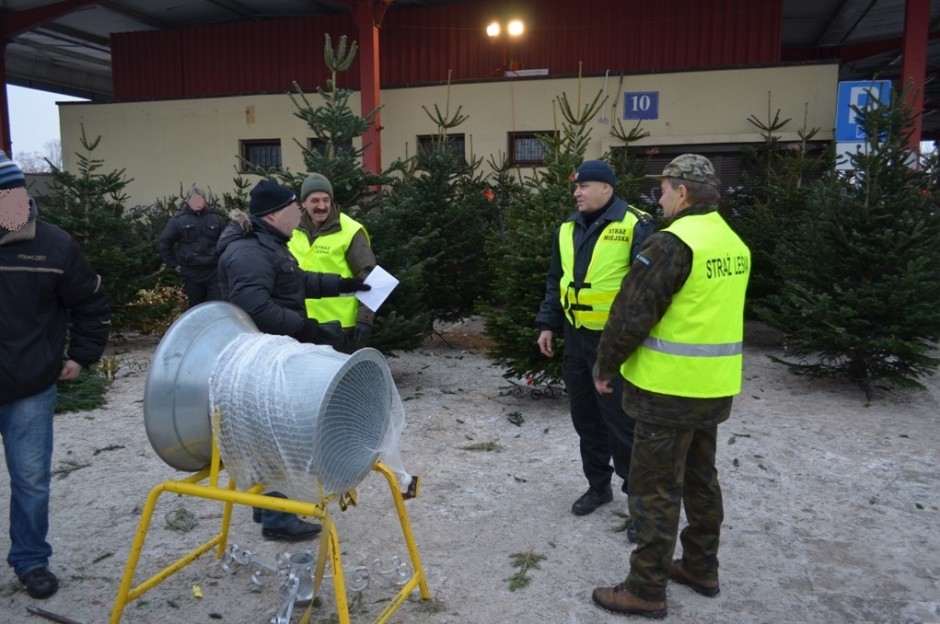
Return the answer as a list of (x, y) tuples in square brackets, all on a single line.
[(330, 241), (592, 251), (51, 302)]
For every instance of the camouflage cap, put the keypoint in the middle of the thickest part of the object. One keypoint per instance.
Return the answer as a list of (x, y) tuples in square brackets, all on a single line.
[(693, 167)]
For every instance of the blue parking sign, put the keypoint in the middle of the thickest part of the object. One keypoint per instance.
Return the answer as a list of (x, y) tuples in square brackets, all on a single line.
[(861, 94)]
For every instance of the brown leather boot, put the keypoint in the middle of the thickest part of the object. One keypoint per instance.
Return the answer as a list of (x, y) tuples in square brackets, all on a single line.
[(703, 586), (618, 599)]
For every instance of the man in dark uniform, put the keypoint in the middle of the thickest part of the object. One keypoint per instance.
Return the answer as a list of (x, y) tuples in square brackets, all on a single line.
[(258, 274), (675, 334), (188, 246), (591, 253)]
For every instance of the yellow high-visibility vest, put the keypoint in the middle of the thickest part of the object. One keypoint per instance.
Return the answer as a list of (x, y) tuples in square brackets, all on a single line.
[(696, 349), (327, 254), (588, 304)]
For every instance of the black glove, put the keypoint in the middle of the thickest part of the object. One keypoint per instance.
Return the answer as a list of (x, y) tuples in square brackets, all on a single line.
[(362, 333), (352, 284), (321, 333)]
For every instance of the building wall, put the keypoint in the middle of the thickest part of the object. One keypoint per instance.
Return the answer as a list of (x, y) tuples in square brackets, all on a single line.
[(164, 145)]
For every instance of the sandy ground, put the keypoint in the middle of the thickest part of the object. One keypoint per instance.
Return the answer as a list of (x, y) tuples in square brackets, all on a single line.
[(832, 509)]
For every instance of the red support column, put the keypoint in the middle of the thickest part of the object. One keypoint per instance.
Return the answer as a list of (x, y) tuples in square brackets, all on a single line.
[(914, 66), (369, 14)]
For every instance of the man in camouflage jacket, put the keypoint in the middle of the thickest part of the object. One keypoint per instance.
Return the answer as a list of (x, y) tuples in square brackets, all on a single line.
[(675, 333)]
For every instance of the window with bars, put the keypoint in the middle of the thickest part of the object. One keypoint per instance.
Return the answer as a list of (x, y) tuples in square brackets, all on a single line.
[(455, 142), (264, 153), (319, 145), (526, 149)]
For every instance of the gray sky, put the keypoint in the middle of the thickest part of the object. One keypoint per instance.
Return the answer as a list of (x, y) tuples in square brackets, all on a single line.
[(34, 118)]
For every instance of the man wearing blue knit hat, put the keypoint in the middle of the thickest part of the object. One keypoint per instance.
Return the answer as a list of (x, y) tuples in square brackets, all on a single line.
[(592, 251), (48, 291)]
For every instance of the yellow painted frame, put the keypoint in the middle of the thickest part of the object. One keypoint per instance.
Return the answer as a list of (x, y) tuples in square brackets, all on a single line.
[(329, 540)]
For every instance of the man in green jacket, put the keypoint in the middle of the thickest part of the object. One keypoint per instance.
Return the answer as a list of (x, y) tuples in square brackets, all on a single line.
[(675, 334), (329, 241)]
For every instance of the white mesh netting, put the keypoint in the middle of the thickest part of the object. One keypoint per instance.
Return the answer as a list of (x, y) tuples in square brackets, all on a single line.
[(303, 419)]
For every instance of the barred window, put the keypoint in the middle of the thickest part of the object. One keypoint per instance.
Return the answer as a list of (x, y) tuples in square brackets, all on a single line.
[(526, 149), (264, 153), (319, 146), (455, 142)]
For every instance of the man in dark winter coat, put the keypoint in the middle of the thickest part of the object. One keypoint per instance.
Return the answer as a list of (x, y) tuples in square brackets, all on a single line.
[(47, 291), (591, 253), (188, 246), (258, 274)]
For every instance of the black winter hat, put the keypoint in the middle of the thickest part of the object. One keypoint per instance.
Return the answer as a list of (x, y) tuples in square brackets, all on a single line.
[(269, 196), (595, 171)]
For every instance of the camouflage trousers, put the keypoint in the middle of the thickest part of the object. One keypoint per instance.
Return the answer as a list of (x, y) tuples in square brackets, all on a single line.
[(670, 468)]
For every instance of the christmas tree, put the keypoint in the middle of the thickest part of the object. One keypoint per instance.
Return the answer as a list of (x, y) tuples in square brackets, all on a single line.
[(860, 277)]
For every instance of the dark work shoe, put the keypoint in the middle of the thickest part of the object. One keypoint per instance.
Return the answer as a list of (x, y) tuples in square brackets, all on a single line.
[(40, 583), (296, 531), (618, 599), (700, 585), (591, 500), (256, 514)]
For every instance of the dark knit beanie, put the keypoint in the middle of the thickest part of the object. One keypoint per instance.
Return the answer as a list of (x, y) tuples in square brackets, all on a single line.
[(11, 176), (316, 182), (595, 171), (269, 196)]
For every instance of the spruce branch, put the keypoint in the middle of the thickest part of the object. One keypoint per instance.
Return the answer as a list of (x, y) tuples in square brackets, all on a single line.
[(524, 562)]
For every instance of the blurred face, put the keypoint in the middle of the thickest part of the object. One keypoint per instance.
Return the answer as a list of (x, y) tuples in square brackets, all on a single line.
[(317, 204), (592, 196), (672, 200), (197, 202), (286, 219), (14, 208)]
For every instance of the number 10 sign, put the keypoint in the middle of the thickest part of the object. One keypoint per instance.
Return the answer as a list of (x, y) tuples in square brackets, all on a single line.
[(641, 105)]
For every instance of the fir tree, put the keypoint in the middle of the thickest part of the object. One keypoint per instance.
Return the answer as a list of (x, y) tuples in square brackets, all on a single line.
[(630, 168), (335, 128), (521, 251), (772, 200), (120, 244), (860, 284), (434, 218)]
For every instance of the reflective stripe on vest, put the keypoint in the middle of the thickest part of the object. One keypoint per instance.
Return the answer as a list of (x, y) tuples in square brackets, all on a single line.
[(327, 254), (588, 304), (696, 349)]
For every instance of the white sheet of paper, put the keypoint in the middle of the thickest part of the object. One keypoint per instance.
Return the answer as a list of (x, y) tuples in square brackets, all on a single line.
[(382, 283)]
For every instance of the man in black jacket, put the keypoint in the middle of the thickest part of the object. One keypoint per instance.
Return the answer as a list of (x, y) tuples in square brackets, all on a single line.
[(47, 290), (258, 274), (188, 246), (592, 251)]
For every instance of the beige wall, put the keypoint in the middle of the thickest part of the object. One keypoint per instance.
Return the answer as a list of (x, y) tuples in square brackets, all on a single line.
[(168, 143)]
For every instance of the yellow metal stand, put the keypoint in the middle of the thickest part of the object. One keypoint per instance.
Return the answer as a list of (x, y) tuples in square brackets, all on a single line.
[(329, 540)]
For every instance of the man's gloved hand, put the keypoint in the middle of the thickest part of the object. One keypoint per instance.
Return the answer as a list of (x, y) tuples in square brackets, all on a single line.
[(352, 284), (362, 333), (321, 333)]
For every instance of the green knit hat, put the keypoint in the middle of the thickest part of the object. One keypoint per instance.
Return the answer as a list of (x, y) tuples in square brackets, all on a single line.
[(315, 182)]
